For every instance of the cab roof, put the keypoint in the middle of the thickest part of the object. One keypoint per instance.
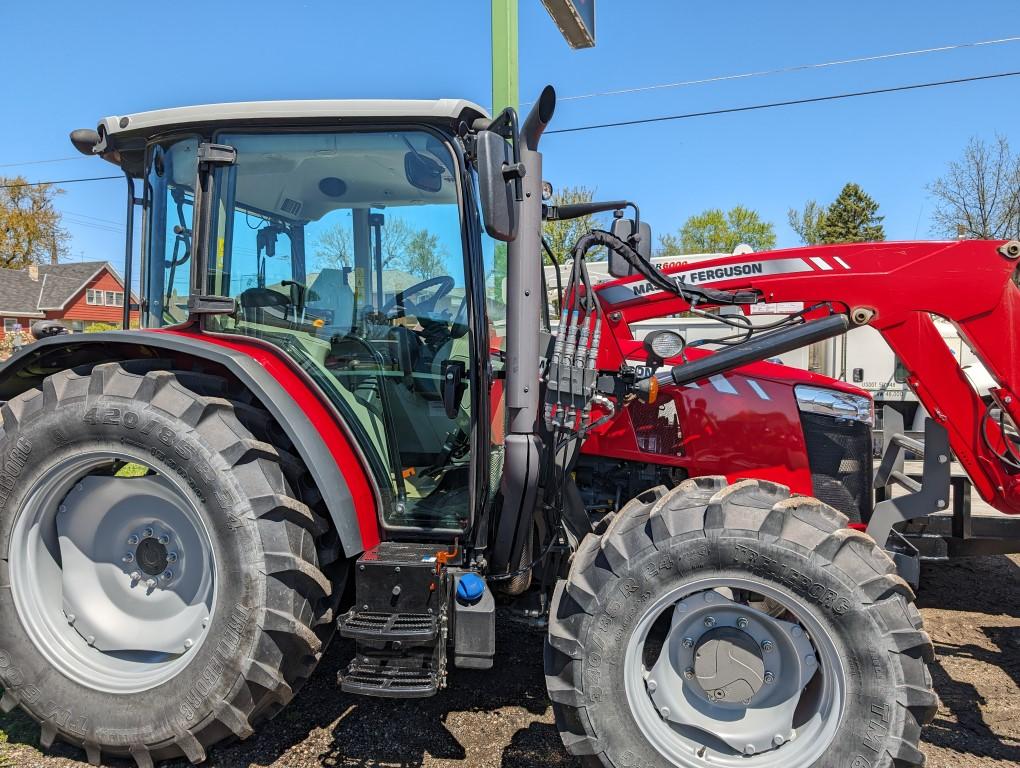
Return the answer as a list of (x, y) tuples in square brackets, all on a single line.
[(324, 111), (122, 137)]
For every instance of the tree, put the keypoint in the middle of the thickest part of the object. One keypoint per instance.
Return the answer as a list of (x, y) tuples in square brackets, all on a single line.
[(30, 225), (851, 218), (423, 257), (716, 231), (335, 246), (978, 195), (808, 225), (561, 235), (416, 251)]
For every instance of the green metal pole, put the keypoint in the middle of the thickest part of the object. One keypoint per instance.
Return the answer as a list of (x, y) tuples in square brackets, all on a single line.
[(505, 92)]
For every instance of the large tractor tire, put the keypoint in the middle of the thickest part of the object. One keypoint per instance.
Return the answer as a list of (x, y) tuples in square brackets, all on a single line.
[(736, 625), (160, 579)]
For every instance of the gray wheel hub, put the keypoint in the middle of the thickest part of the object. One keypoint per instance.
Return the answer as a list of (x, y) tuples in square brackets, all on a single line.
[(119, 593), (132, 563), (728, 666), (732, 671)]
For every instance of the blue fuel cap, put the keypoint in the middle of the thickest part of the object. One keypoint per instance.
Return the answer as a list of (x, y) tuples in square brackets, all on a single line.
[(470, 588)]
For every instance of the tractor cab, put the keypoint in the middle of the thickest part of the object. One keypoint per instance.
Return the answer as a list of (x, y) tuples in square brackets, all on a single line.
[(347, 235)]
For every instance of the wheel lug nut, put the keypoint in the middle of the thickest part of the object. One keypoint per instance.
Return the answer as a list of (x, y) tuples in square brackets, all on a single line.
[(164, 539), (689, 673), (147, 533), (171, 557), (688, 642), (129, 558), (132, 540), (71, 618), (91, 639), (188, 643), (150, 584), (168, 575), (770, 678), (719, 693), (709, 621), (749, 749), (777, 740), (741, 622), (652, 685), (135, 577), (768, 646), (664, 712)]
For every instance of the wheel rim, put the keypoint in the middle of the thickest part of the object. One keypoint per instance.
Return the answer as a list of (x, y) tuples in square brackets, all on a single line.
[(114, 578), (732, 684)]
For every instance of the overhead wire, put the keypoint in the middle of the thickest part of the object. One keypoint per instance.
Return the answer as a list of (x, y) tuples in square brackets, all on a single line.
[(795, 68), (787, 103), (58, 181)]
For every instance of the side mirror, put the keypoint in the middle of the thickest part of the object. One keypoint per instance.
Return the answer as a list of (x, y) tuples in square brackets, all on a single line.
[(624, 229), (495, 187)]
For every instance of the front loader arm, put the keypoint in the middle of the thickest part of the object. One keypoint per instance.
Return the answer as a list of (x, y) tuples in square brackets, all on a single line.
[(896, 288)]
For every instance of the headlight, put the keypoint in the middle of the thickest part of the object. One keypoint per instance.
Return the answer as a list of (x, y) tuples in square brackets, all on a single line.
[(832, 402), (664, 344)]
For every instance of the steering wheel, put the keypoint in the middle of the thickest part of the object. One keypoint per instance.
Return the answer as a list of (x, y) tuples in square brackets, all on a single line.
[(445, 284)]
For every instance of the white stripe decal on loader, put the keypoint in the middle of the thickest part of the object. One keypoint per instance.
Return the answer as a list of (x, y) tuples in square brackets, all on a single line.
[(758, 390)]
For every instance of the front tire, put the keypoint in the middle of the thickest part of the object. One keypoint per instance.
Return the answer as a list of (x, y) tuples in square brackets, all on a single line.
[(93, 589), (736, 585)]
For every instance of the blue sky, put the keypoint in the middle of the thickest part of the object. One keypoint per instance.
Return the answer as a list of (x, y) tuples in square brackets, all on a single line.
[(88, 61)]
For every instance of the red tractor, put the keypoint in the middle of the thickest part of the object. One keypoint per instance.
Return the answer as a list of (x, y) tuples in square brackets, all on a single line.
[(346, 412)]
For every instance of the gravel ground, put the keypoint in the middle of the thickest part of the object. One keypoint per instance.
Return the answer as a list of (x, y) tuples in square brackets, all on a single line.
[(972, 609)]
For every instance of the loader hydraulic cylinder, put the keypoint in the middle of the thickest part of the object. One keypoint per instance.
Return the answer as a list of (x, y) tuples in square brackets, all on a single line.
[(761, 348)]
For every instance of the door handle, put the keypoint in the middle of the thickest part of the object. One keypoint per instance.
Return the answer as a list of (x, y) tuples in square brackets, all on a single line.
[(453, 386)]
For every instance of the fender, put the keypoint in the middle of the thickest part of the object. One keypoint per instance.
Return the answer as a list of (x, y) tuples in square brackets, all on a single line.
[(305, 415)]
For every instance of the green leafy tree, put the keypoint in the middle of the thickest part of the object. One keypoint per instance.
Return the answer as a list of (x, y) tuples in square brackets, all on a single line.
[(30, 224), (718, 231), (423, 257), (808, 224), (979, 195), (561, 235), (851, 218)]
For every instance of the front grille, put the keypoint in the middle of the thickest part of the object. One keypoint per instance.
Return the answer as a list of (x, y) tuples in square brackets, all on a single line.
[(839, 454)]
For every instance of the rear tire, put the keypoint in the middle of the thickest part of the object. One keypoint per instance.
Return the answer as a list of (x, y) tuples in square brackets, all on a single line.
[(273, 606), (796, 549)]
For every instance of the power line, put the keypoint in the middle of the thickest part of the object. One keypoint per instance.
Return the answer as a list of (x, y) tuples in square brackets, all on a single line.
[(94, 218), (797, 68), (40, 162), (790, 103), (61, 181)]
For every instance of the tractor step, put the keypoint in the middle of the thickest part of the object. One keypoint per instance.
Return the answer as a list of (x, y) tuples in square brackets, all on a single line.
[(391, 677), (377, 627), (399, 621)]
